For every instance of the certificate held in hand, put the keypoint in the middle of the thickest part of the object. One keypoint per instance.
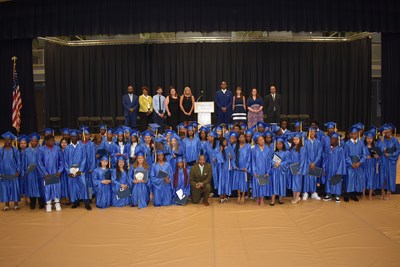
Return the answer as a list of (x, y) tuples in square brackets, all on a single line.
[(8, 176), (262, 179), (52, 179), (335, 179), (162, 174), (141, 175), (295, 168), (316, 172), (123, 193)]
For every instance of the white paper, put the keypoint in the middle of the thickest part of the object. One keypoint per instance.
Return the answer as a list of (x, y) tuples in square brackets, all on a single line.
[(139, 176), (277, 159), (73, 170), (180, 194)]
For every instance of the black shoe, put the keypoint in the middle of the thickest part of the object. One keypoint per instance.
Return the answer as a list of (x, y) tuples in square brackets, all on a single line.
[(346, 199), (75, 205), (354, 197), (280, 202), (337, 199), (272, 204), (88, 207)]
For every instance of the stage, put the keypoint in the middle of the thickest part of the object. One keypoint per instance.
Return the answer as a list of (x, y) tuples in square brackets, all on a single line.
[(312, 233)]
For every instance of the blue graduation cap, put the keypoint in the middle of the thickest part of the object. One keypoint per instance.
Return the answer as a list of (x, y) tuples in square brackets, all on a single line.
[(84, 129), (121, 157), (354, 129), (23, 137), (256, 135), (134, 133), (213, 134), (147, 133), (8, 135), (297, 123), (262, 124), (337, 135), (281, 138), (268, 133), (203, 129), (175, 136), (190, 127), (160, 152), (179, 158), (195, 123), (312, 128), (103, 127), (139, 153), (275, 129), (392, 126), (47, 131), (35, 136), (371, 133), (104, 158), (218, 128), (297, 135), (248, 131), (330, 125), (64, 131), (384, 127), (168, 132), (119, 131), (160, 139), (180, 126), (243, 126), (110, 131), (154, 126), (359, 125), (73, 132), (127, 129), (234, 134)]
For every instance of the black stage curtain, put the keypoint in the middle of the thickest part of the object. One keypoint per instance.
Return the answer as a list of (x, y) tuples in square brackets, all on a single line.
[(391, 78), (22, 49), (30, 19), (329, 81)]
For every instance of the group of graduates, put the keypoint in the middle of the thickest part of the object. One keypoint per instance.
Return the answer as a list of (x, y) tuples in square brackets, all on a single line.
[(124, 167)]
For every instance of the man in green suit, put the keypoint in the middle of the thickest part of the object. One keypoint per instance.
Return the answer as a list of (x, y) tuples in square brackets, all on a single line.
[(200, 177)]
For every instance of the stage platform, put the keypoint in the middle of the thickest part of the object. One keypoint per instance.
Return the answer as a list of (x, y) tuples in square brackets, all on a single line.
[(311, 233)]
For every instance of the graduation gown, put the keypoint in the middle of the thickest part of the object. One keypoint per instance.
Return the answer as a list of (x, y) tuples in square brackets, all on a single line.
[(297, 179), (171, 158), (243, 162), (64, 179), (192, 151), (21, 179), (32, 179), (180, 183), (163, 192), (50, 161), (261, 165), (334, 163), (355, 177), (77, 186), (370, 171), (388, 165), (112, 150), (116, 187), (313, 155), (215, 158), (103, 191), (10, 163), (140, 191), (226, 168), (149, 155), (278, 178), (90, 150)]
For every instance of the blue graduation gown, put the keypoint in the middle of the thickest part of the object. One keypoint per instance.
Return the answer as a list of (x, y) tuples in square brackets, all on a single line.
[(215, 158), (103, 191), (226, 170), (21, 180), (171, 157), (181, 183), (163, 192), (10, 163), (355, 177), (140, 191), (64, 180), (334, 163), (278, 178), (243, 162), (116, 187), (224, 100), (261, 165), (313, 155), (112, 150), (297, 179), (50, 161), (90, 150), (370, 172), (192, 150), (32, 179), (149, 155), (77, 186), (388, 165)]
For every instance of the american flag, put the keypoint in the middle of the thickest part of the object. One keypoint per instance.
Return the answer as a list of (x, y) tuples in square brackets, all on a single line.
[(17, 101)]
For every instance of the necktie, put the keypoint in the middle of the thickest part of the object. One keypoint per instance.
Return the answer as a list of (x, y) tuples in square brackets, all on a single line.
[(273, 97), (159, 103)]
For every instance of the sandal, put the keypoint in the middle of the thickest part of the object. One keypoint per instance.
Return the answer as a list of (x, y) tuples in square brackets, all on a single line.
[(6, 208)]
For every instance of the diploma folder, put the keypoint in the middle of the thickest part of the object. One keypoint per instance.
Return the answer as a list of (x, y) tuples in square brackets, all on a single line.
[(30, 168), (316, 172), (107, 175), (9, 176), (295, 168), (375, 151), (355, 159), (391, 150), (53, 179), (162, 174), (262, 179), (141, 175), (335, 179), (123, 193)]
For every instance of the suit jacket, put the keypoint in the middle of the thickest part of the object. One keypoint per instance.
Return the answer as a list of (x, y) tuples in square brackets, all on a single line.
[(270, 104), (196, 177), (126, 102), (224, 100)]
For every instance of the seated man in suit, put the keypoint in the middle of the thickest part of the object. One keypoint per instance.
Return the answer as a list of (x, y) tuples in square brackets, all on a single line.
[(200, 177)]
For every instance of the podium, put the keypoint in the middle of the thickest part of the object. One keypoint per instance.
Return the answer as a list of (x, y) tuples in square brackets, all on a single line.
[(204, 110)]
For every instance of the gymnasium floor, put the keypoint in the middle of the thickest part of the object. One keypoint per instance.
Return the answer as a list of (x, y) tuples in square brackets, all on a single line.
[(311, 233)]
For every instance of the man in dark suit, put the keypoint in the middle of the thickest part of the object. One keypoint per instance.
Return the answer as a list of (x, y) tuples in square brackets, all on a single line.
[(273, 105), (130, 103), (200, 177), (223, 101)]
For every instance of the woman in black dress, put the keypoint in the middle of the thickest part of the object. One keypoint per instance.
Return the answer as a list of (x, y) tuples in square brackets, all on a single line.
[(187, 105), (172, 107)]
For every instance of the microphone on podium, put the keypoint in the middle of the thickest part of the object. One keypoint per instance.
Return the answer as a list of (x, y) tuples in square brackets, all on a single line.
[(201, 92)]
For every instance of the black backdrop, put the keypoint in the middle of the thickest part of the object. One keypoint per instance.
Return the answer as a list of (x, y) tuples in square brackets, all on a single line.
[(22, 49), (329, 81)]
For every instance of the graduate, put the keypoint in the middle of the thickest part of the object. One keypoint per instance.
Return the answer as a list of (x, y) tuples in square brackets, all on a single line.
[(103, 132), (313, 148), (279, 170), (388, 163), (90, 149), (75, 163), (50, 162), (120, 182), (318, 132), (297, 155), (356, 154), (64, 174), (30, 173), (130, 147), (23, 142), (249, 137), (111, 147), (192, 147), (334, 164), (225, 179), (203, 131), (147, 146), (284, 126), (65, 134), (140, 187), (269, 139), (162, 187), (371, 165), (10, 166), (214, 156), (173, 150), (261, 160), (120, 143), (326, 144), (242, 152), (181, 178), (102, 184)]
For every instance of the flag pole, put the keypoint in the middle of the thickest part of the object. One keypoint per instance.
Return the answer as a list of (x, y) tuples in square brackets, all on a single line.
[(14, 59)]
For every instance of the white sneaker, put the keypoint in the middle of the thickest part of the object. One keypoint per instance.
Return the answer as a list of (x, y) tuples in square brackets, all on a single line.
[(315, 196), (305, 196), (48, 208), (58, 206)]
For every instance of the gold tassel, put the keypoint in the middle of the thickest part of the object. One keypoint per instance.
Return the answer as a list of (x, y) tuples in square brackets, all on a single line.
[(301, 126), (109, 162)]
